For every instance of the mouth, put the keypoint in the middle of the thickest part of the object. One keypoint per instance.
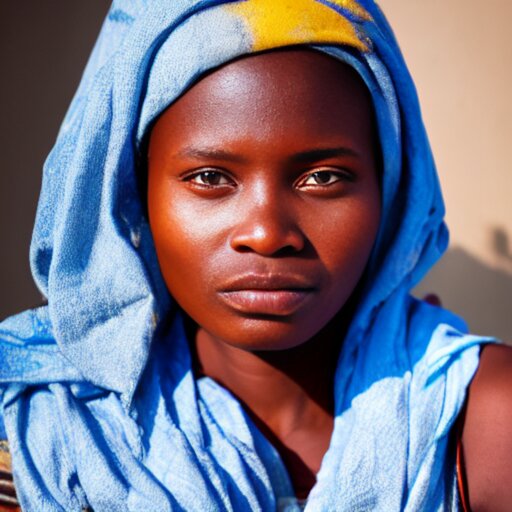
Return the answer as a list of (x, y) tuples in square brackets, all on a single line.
[(274, 295)]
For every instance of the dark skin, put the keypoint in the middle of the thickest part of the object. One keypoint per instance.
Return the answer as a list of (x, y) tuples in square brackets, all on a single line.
[(256, 209), (486, 436), (271, 234)]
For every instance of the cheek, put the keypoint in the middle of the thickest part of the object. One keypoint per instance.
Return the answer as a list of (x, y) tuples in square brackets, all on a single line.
[(192, 242), (345, 242), (169, 226), (186, 238)]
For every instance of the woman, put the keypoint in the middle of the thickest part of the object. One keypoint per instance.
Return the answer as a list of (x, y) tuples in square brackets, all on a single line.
[(292, 202)]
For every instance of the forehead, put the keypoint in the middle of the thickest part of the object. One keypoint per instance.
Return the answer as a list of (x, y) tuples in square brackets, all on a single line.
[(284, 93)]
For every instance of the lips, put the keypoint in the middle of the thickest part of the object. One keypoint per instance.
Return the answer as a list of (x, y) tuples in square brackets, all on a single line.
[(276, 294)]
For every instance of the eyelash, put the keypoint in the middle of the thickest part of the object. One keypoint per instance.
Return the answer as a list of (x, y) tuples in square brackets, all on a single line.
[(205, 172), (219, 175), (339, 174)]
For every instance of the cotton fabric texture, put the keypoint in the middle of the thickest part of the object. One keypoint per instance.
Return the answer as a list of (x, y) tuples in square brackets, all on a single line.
[(98, 398)]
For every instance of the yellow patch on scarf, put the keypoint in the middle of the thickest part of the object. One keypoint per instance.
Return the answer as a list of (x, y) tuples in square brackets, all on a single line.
[(276, 23)]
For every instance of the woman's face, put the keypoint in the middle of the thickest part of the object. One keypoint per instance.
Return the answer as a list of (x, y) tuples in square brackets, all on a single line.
[(264, 198)]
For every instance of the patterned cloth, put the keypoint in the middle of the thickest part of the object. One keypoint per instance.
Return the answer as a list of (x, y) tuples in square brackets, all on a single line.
[(7, 493), (98, 397)]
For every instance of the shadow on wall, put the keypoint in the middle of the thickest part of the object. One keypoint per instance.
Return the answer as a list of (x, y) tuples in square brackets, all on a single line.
[(501, 245), (477, 292)]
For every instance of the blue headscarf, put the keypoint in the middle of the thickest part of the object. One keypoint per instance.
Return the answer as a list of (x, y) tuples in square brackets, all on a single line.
[(100, 404)]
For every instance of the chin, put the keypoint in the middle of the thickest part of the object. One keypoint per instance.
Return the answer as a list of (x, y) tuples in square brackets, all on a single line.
[(266, 333)]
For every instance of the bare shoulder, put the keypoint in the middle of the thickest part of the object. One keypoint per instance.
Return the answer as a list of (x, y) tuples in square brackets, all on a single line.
[(486, 437)]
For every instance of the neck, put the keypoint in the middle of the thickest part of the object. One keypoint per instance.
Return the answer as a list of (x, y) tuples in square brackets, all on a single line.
[(272, 384), (289, 394)]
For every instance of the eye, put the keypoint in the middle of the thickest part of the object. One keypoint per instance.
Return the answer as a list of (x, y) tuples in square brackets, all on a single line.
[(324, 177), (209, 178)]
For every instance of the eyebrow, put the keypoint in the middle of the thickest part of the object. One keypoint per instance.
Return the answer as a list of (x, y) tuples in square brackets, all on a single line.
[(311, 155), (314, 155), (210, 154)]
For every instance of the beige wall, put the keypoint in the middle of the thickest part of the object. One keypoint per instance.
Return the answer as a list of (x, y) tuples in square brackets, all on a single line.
[(460, 55)]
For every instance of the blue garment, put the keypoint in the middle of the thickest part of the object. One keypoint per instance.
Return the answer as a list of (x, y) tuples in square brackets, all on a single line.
[(98, 397)]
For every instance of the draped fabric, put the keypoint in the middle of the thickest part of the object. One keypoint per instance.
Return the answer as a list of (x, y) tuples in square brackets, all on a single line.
[(98, 397)]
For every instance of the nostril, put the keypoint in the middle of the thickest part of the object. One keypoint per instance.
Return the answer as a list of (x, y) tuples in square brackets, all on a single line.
[(286, 251), (281, 252), (274, 241), (242, 248)]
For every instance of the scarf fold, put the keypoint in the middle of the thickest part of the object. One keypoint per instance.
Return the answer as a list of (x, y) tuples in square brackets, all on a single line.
[(98, 397)]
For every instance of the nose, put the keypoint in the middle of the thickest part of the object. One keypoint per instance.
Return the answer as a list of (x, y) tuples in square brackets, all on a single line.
[(268, 228)]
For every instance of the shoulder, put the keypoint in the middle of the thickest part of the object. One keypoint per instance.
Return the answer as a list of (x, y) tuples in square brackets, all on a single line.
[(486, 436)]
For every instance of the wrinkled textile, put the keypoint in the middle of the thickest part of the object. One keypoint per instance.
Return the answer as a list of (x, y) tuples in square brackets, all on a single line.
[(99, 401)]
